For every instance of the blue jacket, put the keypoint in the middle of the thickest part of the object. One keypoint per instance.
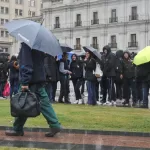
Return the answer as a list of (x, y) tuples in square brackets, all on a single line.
[(31, 63)]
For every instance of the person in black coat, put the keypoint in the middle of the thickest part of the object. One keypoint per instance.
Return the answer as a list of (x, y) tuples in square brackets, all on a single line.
[(52, 76), (4, 72), (64, 71), (14, 75), (90, 67), (119, 76), (109, 71), (128, 78), (32, 77), (76, 67), (143, 84)]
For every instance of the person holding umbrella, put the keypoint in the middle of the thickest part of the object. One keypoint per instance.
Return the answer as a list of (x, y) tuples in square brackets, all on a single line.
[(36, 41), (90, 67)]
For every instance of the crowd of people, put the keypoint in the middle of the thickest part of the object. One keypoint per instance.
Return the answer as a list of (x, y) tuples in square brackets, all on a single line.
[(120, 83)]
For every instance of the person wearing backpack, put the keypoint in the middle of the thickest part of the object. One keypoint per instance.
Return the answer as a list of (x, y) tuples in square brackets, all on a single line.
[(76, 67)]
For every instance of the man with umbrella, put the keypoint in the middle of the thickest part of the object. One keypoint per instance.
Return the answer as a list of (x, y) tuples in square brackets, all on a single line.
[(31, 67)]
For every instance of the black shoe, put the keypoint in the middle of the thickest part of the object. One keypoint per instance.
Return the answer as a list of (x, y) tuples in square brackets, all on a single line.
[(14, 133), (67, 102), (60, 101), (53, 132)]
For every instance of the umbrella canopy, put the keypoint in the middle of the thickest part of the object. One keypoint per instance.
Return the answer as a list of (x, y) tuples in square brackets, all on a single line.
[(142, 57), (93, 50), (65, 47), (34, 35)]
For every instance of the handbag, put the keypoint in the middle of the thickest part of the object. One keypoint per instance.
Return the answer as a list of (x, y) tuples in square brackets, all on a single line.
[(25, 104), (98, 72), (6, 91)]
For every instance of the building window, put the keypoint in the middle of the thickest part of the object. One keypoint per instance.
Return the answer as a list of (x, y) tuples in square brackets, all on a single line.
[(134, 15), (19, 2), (2, 10), (78, 19), (133, 42), (33, 14), (31, 3), (77, 46), (4, 0), (95, 18), (6, 34), (2, 33), (2, 21), (57, 24), (95, 44), (18, 12), (6, 20), (113, 43), (6, 10), (114, 17)]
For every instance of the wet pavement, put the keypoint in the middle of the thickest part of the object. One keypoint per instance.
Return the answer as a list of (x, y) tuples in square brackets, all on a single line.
[(78, 140)]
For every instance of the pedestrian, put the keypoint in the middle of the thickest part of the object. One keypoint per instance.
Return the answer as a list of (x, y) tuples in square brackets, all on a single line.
[(90, 67), (142, 78), (32, 77), (76, 67), (128, 79), (14, 75), (4, 72), (119, 76), (109, 71), (52, 76), (64, 79)]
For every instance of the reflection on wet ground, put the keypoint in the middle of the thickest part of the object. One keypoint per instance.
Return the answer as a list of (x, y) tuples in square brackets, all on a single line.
[(78, 140)]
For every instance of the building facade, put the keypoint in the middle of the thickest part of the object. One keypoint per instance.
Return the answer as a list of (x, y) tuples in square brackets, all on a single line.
[(123, 24), (15, 9)]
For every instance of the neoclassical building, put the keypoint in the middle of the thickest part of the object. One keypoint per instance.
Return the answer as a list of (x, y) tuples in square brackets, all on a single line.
[(123, 24)]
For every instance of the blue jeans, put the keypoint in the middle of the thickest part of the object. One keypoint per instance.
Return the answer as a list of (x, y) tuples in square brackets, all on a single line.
[(111, 89), (91, 87), (14, 86), (144, 93), (51, 90)]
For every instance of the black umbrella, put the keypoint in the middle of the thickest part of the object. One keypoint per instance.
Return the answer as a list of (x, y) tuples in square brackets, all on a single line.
[(66, 48), (93, 50)]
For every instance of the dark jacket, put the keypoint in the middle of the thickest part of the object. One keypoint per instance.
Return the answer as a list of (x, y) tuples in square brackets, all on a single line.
[(109, 62), (128, 68), (90, 67), (31, 66), (3, 71), (142, 72), (51, 68), (14, 72), (119, 64), (76, 68)]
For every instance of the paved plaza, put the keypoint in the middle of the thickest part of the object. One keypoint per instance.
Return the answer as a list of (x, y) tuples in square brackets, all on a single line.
[(78, 140)]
